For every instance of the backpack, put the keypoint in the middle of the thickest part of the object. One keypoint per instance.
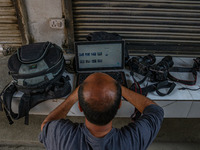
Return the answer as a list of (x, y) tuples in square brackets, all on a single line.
[(38, 71)]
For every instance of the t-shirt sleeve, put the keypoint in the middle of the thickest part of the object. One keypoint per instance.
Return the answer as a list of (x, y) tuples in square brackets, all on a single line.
[(50, 136), (143, 131)]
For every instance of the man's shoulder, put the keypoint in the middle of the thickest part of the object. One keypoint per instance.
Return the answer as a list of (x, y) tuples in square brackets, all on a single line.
[(56, 133), (57, 127), (144, 130), (65, 123), (153, 108), (151, 119)]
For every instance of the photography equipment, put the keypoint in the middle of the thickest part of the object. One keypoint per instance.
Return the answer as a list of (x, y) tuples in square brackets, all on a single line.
[(38, 72), (141, 64), (157, 73), (196, 65), (160, 70)]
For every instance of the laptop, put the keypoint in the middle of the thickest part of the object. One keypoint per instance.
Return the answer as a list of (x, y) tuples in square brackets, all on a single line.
[(102, 56)]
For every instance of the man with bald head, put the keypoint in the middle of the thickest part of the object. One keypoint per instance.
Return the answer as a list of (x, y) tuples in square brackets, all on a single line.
[(99, 98)]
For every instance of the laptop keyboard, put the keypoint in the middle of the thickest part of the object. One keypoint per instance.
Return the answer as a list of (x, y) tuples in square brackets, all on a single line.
[(118, 76)]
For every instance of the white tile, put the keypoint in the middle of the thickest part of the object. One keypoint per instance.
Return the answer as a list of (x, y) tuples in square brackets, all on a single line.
[(194, 110), (74, 111), (46, 107), (126, 110), (175, 109)]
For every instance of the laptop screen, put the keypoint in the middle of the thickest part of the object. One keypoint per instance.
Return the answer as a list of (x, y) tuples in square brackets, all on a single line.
[(99, 55)]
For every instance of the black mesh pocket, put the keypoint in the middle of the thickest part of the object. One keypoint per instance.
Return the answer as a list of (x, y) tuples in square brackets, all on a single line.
[(14, 64), (53, 55), (32, 52)]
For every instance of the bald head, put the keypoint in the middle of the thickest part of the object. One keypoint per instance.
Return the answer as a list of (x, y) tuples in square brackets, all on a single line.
[(99, 91), (100, 94)]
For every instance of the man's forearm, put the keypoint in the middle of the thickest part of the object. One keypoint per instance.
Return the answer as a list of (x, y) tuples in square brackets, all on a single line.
[(62, 110), (138, 100)]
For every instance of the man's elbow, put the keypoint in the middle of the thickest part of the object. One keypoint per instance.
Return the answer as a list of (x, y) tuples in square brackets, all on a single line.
[(43, 124)]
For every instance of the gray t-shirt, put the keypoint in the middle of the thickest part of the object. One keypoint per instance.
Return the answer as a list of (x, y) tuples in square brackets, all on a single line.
[(66, 135)]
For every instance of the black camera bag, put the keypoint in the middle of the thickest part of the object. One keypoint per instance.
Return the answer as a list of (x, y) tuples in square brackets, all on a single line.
[(38, 71)]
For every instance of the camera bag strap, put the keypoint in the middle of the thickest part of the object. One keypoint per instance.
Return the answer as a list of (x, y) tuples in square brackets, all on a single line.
[(193, 70), (153, 87), (186, 82), (156, 87)]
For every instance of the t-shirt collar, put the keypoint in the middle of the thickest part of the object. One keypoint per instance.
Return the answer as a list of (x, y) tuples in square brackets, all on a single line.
[(92, 138)]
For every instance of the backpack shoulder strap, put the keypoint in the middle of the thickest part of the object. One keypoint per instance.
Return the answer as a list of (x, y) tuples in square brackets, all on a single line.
[(7, 95), (23, 105)]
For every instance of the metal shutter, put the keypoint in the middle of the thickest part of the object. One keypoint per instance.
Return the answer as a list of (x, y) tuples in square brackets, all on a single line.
[(9, 31), (148, 26)]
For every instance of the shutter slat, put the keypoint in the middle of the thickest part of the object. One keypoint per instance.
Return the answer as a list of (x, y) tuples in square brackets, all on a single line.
[(137, 27), (8, 19), (4, 4), (137, 4), (158, 36), (138, 1), (143, 22), (8, 27), (10, 40), (137, 13), (84, 33), (95, 10), (134, 17), (151, 40), (10, 33), (130, 26), (5, 1), (7, 11)]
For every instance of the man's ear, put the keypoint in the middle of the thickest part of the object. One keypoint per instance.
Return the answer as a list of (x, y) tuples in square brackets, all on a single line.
[(79, 106), (120, 104)]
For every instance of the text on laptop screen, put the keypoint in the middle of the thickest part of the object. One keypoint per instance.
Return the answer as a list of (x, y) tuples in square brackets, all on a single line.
[(100, 55)]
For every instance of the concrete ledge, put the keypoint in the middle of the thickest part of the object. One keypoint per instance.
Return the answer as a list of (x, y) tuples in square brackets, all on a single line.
[(13, 145), (21, 145), (174, 146)]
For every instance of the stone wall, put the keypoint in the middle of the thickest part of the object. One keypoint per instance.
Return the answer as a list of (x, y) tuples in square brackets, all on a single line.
[(39, 13)]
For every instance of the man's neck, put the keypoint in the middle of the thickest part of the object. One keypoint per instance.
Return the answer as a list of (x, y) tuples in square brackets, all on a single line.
[(98, 131)]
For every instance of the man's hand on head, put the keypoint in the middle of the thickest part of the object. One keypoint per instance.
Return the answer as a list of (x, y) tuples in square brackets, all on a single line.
[(74, 95), (137, 100)]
